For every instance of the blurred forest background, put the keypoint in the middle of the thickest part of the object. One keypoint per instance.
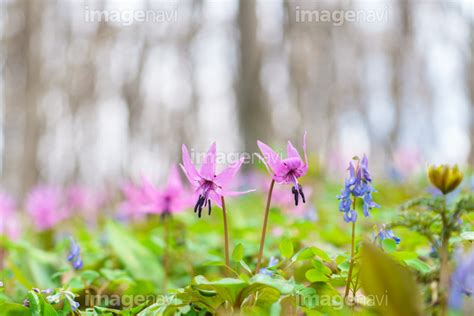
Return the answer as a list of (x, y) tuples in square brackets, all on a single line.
[(92, 101)]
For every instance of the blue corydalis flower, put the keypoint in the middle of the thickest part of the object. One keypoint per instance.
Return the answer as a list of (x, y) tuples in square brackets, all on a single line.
[(267, 271), (74, 256), (357, 185), (384, 233), (462, 281)]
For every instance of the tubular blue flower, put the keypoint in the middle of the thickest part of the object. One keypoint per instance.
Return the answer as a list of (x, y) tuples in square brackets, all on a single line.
[(357, 185), (384, 233), (267, 270), (462, 281), (209, 186), (74, 256), (288, 170), (63, 295)]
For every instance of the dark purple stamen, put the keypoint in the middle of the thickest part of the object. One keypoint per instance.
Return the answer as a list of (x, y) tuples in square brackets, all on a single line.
[(202, 202), (199, 203), (298, 192), (295, 195)]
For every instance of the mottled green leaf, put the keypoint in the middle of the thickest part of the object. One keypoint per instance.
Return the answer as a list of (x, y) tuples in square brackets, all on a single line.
[(390, 285)]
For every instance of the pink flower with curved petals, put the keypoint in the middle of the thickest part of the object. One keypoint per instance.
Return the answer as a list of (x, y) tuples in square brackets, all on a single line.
[(45, 206), (209, 186), (171, 199), (135, 200), (288, 170)]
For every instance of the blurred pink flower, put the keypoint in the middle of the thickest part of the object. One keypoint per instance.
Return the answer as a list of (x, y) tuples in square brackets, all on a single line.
[(45, 206), (79, 198), (171, 199), (406, 160), (135, 200), (10, 223)]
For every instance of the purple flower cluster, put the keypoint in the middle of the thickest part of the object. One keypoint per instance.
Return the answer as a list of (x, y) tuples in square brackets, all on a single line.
[(74, 256), (357, 185)]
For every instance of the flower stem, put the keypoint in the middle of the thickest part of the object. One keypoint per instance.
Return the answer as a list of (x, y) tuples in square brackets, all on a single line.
[(351, 266), (166, 253), (226, 235), (264, 228), (444, 262)]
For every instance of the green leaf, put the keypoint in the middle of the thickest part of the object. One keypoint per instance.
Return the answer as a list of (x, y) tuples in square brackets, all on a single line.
[(389, 284), (321, 267), (316, 275), (139, 260), (389, 245), (320, 253), (286, 248), (238, 253), (38, 306), (419, 265), (90, 275), (35, 304), (245, 266), (228, 289), (12, 309), (282, 285), (403, 255), (303, 254)]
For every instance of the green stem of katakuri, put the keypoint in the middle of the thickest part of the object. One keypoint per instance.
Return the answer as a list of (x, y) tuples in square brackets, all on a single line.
[(264, 228), (226, 235), (166, 252)]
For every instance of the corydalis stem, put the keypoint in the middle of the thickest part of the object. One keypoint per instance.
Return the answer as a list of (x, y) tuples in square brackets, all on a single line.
[(351, 266), (226, 234), (264, 228)]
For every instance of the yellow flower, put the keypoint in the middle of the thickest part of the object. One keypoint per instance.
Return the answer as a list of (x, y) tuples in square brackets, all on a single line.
[(445, 177)]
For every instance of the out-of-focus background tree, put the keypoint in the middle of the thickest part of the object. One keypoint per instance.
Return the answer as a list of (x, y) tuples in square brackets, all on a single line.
[(94, 91)]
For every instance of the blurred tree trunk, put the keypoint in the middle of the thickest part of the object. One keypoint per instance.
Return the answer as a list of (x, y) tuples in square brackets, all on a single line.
[(470, 89), (30, 170), (22, 84), (254, 119), (401, 48)]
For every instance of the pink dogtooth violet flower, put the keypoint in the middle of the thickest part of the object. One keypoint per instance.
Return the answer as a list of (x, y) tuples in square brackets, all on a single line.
[(134, 202), (209, 186), (45, 206), (10, 224), (288, 170), (169, 200)]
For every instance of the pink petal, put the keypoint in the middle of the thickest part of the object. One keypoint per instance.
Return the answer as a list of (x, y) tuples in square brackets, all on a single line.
[(208, 167), (188, 167), (271, 157), (216, 198), (225, 176), (174, 180), (291, 151), (305, 154)]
